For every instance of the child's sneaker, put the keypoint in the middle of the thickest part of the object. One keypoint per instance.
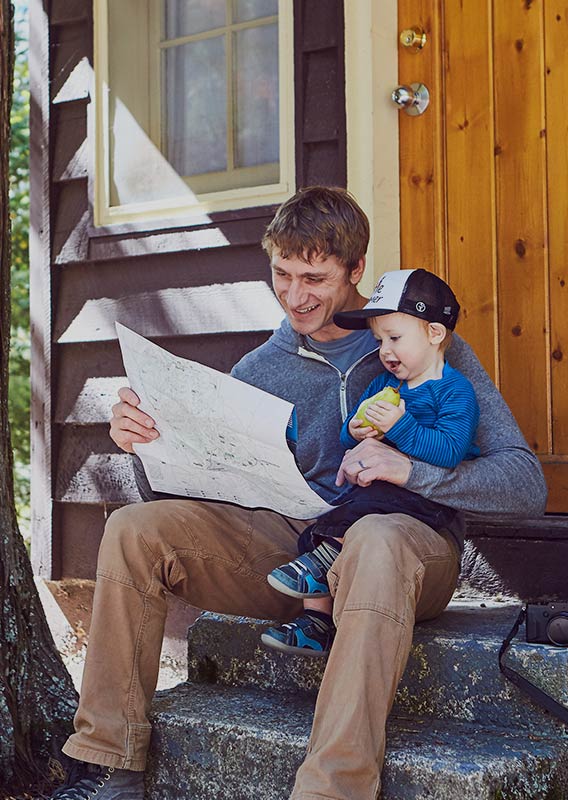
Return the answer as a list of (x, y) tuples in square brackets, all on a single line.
[(308, 635), (306, 576)]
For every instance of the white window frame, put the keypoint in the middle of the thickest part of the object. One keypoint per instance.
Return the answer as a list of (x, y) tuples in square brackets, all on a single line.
[(191, 205)]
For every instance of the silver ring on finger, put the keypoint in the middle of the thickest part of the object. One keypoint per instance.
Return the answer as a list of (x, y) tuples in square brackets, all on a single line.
[(361, 465)]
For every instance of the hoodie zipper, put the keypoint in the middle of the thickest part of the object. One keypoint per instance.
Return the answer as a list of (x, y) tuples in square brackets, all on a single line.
[(343, 376)]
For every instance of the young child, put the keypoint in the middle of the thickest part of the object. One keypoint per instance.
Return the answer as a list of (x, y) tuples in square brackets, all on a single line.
[(412, 314)]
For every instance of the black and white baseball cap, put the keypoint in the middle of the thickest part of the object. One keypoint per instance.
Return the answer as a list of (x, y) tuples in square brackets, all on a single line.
[(409, 291)]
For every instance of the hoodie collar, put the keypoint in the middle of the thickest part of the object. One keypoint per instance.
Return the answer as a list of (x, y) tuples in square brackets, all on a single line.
[(286, 338)]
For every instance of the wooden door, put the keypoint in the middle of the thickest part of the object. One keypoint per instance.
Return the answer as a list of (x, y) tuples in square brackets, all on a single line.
[(484, 196)]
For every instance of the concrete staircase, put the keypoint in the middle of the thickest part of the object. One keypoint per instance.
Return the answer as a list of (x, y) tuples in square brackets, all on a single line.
[(239, 728)]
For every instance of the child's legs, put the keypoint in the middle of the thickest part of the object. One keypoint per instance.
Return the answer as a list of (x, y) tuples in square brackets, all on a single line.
[(322, 604)]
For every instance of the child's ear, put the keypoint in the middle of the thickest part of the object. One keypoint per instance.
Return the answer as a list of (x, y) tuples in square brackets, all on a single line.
[(436, 332)]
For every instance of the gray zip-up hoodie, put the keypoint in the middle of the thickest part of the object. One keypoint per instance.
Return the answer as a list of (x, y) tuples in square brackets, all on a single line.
[(505, 481)]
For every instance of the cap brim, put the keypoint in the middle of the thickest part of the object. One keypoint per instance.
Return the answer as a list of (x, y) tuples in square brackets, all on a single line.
[(357, 320)]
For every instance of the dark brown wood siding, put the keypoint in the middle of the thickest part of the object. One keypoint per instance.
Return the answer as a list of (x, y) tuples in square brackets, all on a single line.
[(85, 278), (319, 63)]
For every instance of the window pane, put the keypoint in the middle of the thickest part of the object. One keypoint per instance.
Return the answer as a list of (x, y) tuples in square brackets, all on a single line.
[(256, 78), (185, 17), (196, 115), (243, 10)]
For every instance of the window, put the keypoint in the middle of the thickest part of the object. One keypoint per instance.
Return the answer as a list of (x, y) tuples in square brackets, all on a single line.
[(194, 106)]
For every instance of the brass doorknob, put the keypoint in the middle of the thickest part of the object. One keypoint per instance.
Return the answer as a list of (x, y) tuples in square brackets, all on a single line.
[(413, 38)]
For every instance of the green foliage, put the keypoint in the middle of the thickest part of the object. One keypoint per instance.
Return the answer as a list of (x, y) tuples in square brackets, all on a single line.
[(19, 390)]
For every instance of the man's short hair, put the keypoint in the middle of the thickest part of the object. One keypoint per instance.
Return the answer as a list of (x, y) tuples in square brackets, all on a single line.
[(319, 221)]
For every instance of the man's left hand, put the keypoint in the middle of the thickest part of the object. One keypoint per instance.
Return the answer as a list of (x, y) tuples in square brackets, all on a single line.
[(371, 460)]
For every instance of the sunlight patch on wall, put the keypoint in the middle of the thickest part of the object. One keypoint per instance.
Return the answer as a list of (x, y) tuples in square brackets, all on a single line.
[(219, 308)]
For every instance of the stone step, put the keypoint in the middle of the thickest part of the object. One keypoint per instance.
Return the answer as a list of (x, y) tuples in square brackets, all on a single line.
[(231, 743), (452, 672)]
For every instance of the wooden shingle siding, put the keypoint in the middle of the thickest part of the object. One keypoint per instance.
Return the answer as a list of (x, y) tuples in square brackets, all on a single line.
[(91, 468), (64, 12), (80, 527), (167, 280), (90, 372), (226, 229), (70, 152), (70, 222), (321, 154), (71, 61)]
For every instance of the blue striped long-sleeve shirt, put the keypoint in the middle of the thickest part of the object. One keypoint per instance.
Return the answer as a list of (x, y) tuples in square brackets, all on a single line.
[(440, 421)]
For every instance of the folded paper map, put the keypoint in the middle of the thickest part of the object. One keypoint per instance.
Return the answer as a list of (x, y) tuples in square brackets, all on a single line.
[(220, 438)]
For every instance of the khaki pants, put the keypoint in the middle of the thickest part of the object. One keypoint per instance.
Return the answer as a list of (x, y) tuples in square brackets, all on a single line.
[(392, 571)]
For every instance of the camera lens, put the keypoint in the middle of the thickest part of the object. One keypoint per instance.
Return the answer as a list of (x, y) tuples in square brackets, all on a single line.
[(557, 629)]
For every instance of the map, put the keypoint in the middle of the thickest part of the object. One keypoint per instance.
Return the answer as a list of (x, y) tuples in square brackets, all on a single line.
[(220, 438)]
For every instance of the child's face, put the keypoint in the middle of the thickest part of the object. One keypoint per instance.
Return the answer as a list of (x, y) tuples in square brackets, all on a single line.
[(409, 347)]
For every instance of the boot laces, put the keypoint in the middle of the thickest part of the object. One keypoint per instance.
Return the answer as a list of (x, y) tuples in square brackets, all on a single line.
[(83, 783)]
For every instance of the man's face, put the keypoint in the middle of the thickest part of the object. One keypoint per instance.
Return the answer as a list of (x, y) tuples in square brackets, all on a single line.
[(311, 294)]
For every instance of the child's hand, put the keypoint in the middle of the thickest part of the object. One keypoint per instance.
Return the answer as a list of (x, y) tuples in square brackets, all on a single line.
[(360, 431), (384, 415)]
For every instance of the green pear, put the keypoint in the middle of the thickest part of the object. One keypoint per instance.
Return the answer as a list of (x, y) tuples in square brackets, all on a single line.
[(388, 394)]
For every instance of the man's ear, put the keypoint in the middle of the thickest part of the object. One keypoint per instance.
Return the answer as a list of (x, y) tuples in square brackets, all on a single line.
[(436, 332), (357, 273)]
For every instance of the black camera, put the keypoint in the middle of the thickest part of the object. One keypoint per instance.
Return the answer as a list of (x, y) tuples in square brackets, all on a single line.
[(548, 624)]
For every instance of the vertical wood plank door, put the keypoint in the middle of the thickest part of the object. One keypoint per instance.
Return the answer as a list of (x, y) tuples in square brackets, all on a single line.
[(484, 196)]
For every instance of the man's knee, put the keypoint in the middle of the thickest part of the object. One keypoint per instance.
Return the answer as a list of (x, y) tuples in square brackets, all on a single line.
[(377, 569), (388, 559), (158, 532), (119, 530), (129, 536), (380, 537)]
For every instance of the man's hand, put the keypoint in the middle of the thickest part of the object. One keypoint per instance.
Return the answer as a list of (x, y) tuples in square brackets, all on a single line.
[(128, 424), (360, 431), (384, 414), (372, 460)]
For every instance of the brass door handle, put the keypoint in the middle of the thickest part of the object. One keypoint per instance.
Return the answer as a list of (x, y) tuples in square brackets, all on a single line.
[(413, 38)]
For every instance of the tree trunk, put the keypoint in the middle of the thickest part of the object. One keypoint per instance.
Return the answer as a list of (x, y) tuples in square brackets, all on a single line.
[(37, 698)]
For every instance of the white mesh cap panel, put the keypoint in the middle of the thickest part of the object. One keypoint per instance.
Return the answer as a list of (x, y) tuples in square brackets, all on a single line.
[(387, 293)]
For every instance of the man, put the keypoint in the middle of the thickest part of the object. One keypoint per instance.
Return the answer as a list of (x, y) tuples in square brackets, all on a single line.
[(393, 569)]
